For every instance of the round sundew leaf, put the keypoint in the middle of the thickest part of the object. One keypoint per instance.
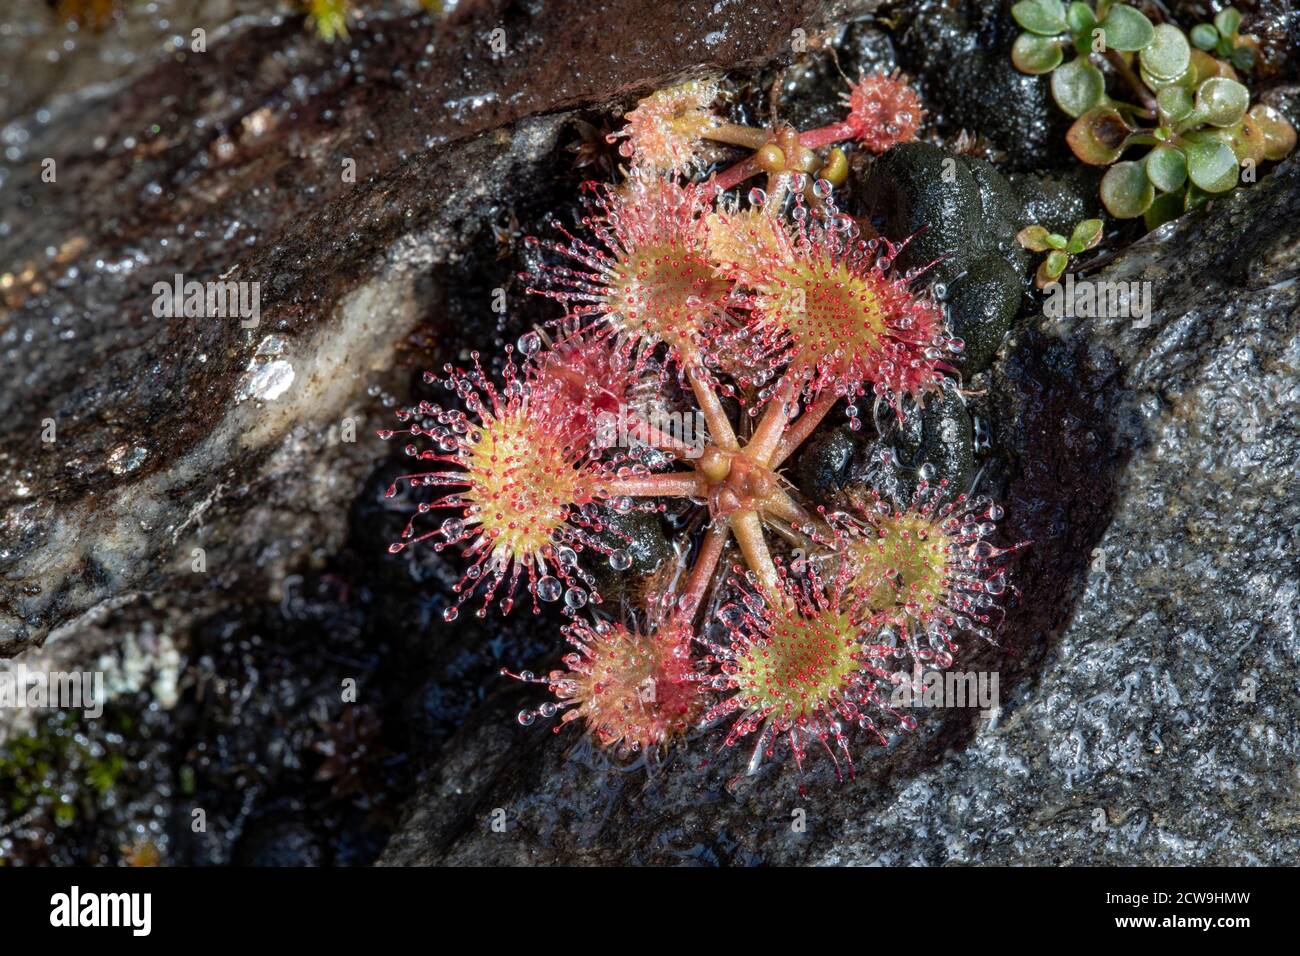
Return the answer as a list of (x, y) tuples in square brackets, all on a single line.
[(1227, 21), (1205, 65), (1211, 165), (1033, 238), (1195, 197), (1077, 87), (1056, 262), (1279, 134), (1036, 54), (1044, 17), (1125, 190), (1204, 36), (1044, 276), (1167, 55), (1126, 29), (1098, 136), (1166, 168), (1080, 19), (1164, 208), (1222, 101), (1086, 234), (1175, 103), (1245, 139), (1186, 79)]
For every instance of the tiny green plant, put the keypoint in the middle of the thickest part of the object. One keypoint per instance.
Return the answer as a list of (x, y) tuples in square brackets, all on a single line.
[(328, 18), (1085, 235), (1223, 39), (1184, 103)]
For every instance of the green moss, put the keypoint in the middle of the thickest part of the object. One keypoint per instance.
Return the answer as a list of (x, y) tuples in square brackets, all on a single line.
[(57, 771)]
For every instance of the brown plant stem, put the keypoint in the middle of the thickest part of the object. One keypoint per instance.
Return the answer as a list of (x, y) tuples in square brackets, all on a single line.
[(678, 484), (697, 582), (1133, 81), (804, 426), (747, 526), (715, 416), (734, 134)]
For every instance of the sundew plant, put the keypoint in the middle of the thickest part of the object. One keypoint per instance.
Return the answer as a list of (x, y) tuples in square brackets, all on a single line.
[(747, 300)]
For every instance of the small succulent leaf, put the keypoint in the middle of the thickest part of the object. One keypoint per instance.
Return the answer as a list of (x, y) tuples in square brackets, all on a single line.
[(1125, 190), (1057, 241), (1227, 21), (1098, 136), (1195, 198), (1166, 168), (1033, 238), (1243, 58), (1245, 139), (1056, 262), (1126, 29), (1279, 134), (1211, 165), (1222, 101), (1205, 66), (1175, 103), (1086, 234), (1042, 276), (1036, 54), (1167, 55), (1164, 208), (1205, 36), (1043, 17), (1077, 87), (1080, 19), (1186, 79)]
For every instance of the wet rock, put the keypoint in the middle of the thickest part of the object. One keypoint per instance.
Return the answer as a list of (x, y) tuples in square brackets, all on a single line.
[(959, 216), (205, 521), (280, 843), (821, 468), (140, 452), (637, 538), (962, 51), (1058, 201), (1145, 710), (1154, 629), (982, 303), (934, 443)]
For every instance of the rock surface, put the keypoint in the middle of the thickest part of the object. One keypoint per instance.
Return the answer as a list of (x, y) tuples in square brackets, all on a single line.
[(341, 179), (1147, 668)]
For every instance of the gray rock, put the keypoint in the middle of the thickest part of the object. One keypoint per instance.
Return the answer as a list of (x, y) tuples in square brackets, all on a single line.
[(174, 434), (1147, 666)]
